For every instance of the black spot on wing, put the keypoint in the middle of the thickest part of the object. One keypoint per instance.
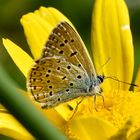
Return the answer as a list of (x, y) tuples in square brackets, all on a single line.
[(72, 54)]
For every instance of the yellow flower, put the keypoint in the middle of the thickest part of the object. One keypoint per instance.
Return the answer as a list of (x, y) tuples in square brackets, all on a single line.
[(111, 38)]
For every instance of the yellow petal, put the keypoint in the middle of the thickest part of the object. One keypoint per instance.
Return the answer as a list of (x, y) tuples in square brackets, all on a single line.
[(9, 126), (51, 15), (135, 135), (66, 110), (123, 132), (37, 27), (36, 30), (118, 107), (111, 38), (137, 82), (89, 128), (55, 118), (21, 58)]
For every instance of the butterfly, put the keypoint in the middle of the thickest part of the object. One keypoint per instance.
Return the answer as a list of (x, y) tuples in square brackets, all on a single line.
[(64, 70)]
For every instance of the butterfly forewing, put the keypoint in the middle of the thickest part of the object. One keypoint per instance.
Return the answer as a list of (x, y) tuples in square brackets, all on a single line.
[(64, 68), (65, 41)]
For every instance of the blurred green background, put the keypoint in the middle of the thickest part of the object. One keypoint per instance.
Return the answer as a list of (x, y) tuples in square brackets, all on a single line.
[(78, 11)]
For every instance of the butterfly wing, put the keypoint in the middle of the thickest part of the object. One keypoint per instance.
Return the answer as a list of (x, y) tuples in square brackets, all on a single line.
[(64, 69), (64, 40)]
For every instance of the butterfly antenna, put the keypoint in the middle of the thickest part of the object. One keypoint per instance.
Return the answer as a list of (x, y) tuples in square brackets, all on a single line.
[(105, 63), (116, 79)]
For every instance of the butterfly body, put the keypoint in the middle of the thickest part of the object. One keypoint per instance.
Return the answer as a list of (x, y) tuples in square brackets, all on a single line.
[(64, 71)]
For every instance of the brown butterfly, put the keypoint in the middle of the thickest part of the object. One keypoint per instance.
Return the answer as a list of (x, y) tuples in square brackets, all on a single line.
[(64, 71)]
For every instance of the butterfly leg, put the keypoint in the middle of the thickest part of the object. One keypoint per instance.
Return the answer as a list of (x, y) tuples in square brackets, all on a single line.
[(103, 100), (95, 103), (76, 108), (95, 106)]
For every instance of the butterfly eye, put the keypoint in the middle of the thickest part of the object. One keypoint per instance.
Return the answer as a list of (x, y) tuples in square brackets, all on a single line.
[(58, 99), (100, 79)]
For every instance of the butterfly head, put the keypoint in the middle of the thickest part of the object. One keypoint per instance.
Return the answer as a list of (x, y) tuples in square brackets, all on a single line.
[(96, 88)]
